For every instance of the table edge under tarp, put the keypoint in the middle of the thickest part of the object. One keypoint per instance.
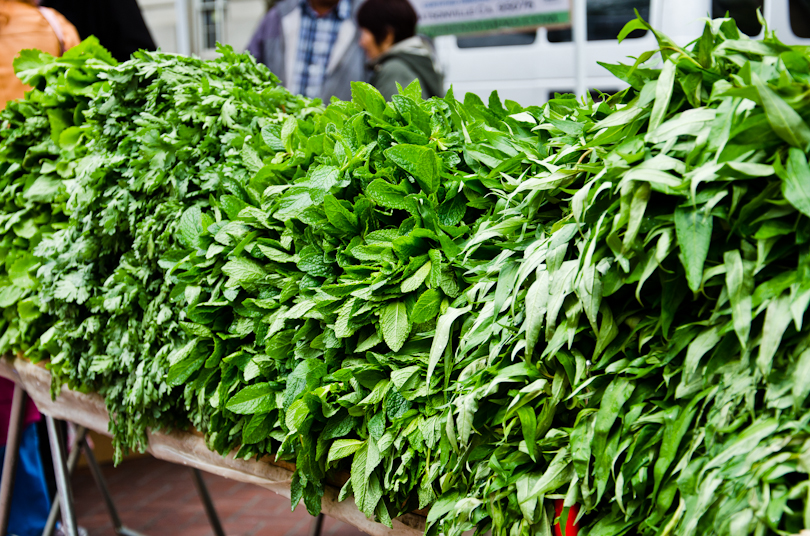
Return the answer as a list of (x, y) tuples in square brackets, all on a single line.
[(185, 448)]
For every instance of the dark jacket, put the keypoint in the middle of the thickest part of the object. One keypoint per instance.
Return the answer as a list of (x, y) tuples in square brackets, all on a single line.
[(275, 43), (118, 24), (405, 62)]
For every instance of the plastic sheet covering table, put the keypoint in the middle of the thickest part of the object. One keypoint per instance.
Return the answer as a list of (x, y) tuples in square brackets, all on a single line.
[(185, 448)]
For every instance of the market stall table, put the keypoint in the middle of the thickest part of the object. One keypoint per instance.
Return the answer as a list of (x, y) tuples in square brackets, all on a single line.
[(189, 449)]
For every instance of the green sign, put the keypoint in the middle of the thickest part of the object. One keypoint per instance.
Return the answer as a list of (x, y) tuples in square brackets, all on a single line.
[(444, 17)]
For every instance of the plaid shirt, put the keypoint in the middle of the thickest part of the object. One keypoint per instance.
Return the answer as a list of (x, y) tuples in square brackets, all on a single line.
[(318, 36)]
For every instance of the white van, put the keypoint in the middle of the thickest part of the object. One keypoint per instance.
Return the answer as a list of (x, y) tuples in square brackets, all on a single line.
[(529, 67)]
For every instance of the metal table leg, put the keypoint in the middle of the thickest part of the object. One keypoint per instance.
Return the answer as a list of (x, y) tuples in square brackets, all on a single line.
[(65, 496), (12, 456), (62, 479), (101, 483), (205, 497), (317, 526), (73, 460)]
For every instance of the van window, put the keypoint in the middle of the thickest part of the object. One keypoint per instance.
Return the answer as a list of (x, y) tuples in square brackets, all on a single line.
[(800, 18), (606, 18), (742, 11), (497, 40)]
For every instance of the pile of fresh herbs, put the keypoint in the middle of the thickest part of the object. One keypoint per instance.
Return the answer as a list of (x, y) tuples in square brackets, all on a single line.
[(39, 149), (160, 133), (477, 308)]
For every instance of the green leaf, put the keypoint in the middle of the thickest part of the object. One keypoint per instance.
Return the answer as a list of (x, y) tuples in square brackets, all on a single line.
[(677, 422), (796, 182), (191, 227), (306, 375), (536, 307), (693, 228), (801, 380), (777, 319), (44, 189), (442, 337), (297, 414), (783, 119), (420, 162), (630, 27), (614, 398), (340, 216), (368, 98), (275, 254), (244, 271), (386, 194), (740, 287), (258, 398), (699, 347), (184, 362), (342, 448), (373, 340), (258, 428), (395, 325), (663, 93), (427, 306), (365, 461), (20, 272), (321, 180), (638, 205), (232, 205), (416, 280), (528, 423)]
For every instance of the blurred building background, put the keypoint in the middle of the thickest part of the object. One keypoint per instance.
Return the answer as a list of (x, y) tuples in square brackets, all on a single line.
[(527, 66), (209, 22)]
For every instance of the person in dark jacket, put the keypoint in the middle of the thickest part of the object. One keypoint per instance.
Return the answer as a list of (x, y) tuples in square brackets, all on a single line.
[(395, 52), (118, 24)]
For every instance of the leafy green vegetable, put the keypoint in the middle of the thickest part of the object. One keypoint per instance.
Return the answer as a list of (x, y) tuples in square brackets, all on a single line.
[(477, 308), (41, 143)]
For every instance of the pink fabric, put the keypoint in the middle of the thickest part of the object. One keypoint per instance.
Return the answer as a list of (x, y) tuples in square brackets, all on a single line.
[(6, 396)]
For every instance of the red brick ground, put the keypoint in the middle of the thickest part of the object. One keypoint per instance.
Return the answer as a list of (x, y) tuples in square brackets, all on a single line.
[(159, 499)]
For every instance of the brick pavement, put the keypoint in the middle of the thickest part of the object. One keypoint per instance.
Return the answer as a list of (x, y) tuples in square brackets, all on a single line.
[(159, 499)]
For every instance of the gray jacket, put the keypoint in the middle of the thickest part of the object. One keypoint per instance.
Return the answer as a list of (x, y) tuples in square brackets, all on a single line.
[(275, 44), (406, 61)]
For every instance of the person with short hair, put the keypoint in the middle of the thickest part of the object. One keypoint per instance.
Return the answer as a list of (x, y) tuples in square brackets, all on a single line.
[(311, 45), (395, 53)]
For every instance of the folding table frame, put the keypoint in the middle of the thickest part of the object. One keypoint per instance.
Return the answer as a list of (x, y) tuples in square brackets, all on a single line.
[(176, 447), (63, 467)]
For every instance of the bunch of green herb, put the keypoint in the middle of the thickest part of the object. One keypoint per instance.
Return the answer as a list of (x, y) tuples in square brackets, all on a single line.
[(645, 357), (40, 144), (481, 308), (315, 322), (164, 133)]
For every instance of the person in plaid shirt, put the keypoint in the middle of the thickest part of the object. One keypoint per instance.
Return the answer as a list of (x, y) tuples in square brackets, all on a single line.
[(312, 46)]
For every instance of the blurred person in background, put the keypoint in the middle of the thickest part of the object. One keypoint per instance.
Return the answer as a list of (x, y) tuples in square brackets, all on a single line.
[(311, 45), (118, 24), (395, 52), (23, 24)]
